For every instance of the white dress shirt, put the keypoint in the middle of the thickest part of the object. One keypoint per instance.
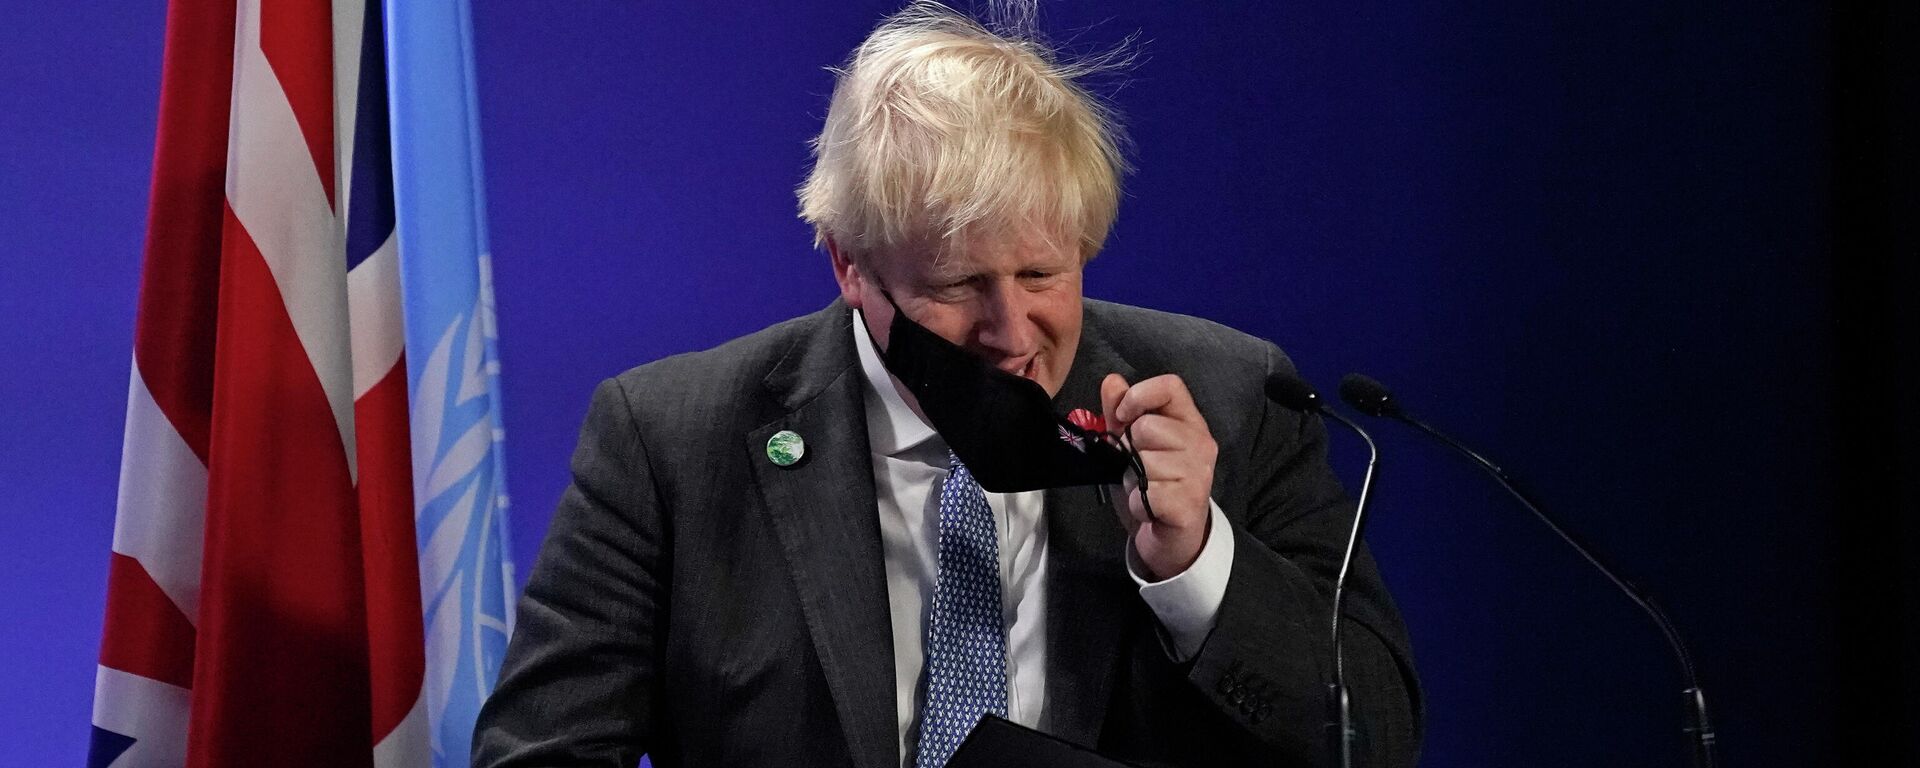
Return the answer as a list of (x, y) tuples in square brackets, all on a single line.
[(909, 466)]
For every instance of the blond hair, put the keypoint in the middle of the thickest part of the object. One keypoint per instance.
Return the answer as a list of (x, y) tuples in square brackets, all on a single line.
[(940, 130)]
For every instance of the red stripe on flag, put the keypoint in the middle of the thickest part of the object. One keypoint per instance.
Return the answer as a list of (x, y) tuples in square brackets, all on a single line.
[(146, 634), (173, 337), (282, 675), (395, 632), (297, 38)]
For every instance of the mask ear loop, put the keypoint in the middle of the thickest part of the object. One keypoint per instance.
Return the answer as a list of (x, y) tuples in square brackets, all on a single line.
[(870, 339), (1139, 471)]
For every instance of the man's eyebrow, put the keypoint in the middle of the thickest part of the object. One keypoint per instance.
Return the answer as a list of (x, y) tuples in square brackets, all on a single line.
[(949, 272)]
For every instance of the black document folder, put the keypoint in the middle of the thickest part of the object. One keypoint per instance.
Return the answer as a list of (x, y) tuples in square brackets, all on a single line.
[(998, 743)]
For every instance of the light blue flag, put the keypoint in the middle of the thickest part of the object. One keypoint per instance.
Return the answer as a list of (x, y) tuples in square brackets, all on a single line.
[(453, 369)]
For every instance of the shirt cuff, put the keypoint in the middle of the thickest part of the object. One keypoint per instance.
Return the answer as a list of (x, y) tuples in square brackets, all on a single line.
[(1188, 604)]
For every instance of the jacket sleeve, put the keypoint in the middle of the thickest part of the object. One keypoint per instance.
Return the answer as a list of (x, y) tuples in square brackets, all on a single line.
[(1267, 663), (578, 686)]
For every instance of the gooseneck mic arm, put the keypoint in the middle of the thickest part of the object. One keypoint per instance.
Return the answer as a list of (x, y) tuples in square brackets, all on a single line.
[(1372, 398), (1291, 392)]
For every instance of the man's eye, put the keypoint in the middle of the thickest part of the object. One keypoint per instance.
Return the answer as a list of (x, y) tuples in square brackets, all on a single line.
[(951, 291)]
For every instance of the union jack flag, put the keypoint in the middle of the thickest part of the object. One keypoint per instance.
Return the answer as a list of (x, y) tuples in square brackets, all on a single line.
[(307, 565)]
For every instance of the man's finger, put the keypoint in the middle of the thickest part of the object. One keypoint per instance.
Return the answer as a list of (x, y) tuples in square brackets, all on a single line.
[(1137, 511), (1165, 473), (1125, 496), (1154, 432), (1112, 389), (1165, 394)]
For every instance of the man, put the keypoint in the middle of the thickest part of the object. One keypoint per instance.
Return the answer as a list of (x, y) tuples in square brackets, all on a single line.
[(767, 556)]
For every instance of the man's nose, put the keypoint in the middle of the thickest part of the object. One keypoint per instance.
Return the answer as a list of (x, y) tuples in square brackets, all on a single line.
[(1004, 325)]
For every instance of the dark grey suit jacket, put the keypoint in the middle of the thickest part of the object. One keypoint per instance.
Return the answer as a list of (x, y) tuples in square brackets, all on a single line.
[(695, 602)]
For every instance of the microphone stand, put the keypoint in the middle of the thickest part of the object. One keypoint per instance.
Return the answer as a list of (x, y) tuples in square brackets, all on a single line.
[(1292, 393), (1698, 728), (1341, 699)]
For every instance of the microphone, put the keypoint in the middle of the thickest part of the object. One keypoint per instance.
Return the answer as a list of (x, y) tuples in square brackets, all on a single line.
[(1289, 391), (1374, 399)]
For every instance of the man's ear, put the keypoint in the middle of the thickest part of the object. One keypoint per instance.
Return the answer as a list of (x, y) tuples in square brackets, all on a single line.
[(846, 273)]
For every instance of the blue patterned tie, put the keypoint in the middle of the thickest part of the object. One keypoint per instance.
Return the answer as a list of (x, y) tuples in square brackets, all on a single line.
[(966, 644)]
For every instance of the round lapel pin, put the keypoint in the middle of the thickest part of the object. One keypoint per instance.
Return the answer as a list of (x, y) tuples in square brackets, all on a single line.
[(786, 448)]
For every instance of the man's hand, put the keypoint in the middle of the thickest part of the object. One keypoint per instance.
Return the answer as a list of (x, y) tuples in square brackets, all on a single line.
[(1173, 443)]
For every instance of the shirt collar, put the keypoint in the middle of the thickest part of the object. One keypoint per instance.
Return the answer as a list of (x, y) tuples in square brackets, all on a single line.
[(893, 428)]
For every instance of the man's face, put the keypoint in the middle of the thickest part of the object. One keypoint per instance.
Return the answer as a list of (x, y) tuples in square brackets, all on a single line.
[(1014, 302)]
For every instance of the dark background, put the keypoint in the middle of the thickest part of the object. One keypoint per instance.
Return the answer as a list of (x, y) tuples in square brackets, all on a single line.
[(1656, 257)]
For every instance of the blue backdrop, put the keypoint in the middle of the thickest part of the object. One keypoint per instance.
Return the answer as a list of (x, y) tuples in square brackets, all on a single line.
[(1592, 238)]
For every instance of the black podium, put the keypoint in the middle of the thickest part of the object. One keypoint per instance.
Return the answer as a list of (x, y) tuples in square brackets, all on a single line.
[(998, 743)]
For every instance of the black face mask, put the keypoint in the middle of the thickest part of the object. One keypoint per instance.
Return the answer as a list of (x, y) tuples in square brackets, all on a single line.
[(1001, 425)]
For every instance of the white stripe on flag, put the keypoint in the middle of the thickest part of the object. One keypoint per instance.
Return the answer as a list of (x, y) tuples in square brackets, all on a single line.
[(410, 744), (163, 500), (153, 713), (373, 310), (349, 20), (276, 194)]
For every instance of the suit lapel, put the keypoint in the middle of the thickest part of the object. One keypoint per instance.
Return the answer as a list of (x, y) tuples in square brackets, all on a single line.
[(1088, 591), (823, 512)]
